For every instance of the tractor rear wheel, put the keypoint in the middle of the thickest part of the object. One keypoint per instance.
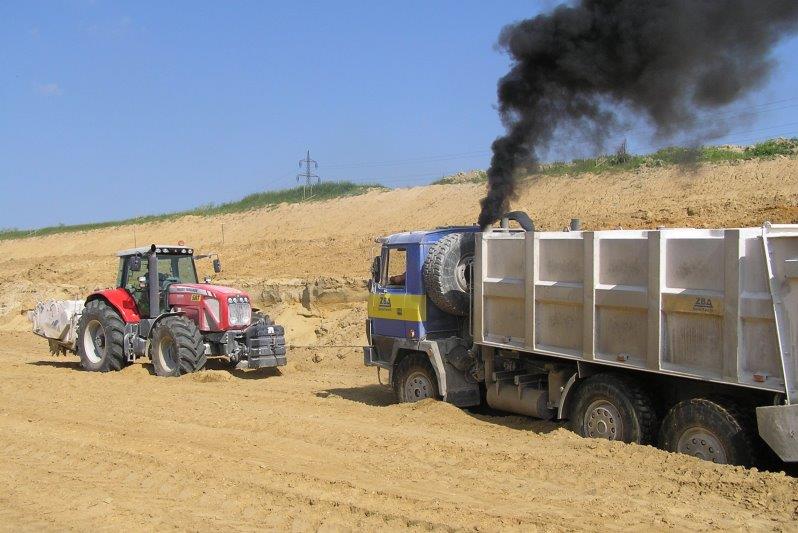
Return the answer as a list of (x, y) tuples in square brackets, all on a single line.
[(177, 347), (101, 335)]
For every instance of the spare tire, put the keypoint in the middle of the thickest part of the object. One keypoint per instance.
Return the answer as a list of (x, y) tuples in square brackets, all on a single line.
[(447, 273)]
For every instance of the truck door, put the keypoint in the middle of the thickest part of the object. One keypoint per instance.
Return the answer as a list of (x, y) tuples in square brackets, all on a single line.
[(386, 303)]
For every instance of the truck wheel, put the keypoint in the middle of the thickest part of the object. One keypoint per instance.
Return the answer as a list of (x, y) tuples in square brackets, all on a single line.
[(177, 347), (613, 407), (446, 273), (415, 380), (716, 430), (101, 334)]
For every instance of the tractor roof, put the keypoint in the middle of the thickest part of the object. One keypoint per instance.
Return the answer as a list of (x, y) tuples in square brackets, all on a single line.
[(159, 248)]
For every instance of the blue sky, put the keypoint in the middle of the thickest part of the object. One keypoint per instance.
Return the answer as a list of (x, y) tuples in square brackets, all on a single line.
[(117, 109)]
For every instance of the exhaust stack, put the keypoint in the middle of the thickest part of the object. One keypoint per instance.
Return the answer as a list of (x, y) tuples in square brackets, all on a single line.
[(152, 283)]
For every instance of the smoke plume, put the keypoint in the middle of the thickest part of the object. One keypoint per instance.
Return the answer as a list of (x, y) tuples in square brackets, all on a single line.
[(667, 62)]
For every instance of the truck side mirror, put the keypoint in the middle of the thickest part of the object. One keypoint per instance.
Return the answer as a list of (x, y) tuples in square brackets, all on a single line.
[(217, 265), (375, 269), (135, 263)]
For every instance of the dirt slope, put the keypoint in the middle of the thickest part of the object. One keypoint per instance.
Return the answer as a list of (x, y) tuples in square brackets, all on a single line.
[(322, 446)]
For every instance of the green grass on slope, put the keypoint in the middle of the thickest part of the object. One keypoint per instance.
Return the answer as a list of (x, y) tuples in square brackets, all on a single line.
[(324, 191), (624, 161)]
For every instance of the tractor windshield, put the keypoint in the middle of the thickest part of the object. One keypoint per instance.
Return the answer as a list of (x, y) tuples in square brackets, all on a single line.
[(172, 268), (178, 268)]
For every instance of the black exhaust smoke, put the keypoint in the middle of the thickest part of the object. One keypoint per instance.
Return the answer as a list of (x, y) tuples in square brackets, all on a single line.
[(669, 62)]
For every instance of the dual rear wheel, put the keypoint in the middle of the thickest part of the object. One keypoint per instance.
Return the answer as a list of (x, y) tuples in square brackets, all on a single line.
[(614, 407)]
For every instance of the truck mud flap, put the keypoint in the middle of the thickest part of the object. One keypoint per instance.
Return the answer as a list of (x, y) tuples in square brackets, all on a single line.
[(778, 427)]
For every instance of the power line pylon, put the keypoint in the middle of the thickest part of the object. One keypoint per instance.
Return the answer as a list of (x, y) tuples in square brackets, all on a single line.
[(307, 186)]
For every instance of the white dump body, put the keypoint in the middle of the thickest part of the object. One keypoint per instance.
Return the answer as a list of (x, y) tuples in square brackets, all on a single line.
[(715, 305), (57, 320)]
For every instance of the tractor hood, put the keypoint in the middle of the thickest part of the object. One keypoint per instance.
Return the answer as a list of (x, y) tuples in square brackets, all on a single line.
[(212, 307), (219, 292)]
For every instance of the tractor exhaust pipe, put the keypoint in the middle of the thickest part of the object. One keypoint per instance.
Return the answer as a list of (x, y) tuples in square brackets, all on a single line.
[(152, 283)]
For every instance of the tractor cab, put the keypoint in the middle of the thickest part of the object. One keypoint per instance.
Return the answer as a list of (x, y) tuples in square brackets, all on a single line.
[(175, 264)]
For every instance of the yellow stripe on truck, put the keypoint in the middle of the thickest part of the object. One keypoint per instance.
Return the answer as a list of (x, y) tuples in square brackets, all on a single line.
[(412, 307)]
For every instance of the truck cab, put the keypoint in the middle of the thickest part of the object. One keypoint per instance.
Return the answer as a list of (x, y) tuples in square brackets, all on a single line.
[(398, 305), (402, 320)]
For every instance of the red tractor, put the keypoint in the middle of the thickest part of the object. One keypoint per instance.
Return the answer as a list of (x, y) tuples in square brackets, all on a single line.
[(159, 309)]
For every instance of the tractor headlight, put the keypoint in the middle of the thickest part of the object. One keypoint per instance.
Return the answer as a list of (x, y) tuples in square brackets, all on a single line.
[(246, 313), (240, 311)]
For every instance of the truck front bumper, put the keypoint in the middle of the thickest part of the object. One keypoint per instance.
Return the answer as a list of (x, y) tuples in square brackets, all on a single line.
[(778, 426)]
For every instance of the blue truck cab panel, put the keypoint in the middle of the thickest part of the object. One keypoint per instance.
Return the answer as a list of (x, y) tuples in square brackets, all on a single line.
[(398, 306)]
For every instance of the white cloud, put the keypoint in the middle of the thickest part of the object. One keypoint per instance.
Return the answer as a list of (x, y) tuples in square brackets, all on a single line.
[(49, 89)]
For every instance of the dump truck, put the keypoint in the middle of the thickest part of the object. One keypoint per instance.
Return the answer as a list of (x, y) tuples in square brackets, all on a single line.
[(681, 338), (159, 310)]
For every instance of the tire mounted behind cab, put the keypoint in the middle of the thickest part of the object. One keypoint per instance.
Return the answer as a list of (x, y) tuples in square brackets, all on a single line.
[(447, 271)]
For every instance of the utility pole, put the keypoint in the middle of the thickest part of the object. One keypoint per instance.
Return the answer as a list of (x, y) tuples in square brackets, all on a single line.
[(307, 186)]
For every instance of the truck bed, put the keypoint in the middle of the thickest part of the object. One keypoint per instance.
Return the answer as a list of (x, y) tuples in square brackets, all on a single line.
[(715, 305)]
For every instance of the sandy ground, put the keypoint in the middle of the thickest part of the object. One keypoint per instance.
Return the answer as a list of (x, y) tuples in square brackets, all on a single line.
[(320, 445)]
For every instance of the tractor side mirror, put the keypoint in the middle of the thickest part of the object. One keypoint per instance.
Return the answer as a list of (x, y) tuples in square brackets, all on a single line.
[(135, 263), (376, 266), (217, 265)]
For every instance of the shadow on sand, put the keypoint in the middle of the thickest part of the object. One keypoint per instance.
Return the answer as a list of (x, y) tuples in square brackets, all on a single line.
[(373, 395), (72, 365), (213, 365), (382, 396)]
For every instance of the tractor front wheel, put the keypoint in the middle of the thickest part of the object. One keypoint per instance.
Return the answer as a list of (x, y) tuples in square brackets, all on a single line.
[(177, 347), (101, 335)]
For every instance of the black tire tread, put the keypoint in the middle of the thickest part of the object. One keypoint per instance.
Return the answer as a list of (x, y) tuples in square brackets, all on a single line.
[(732, 411), (266, 319), (190, 345), (114, 335), (642, 403), (415, 361), (432, 272)]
